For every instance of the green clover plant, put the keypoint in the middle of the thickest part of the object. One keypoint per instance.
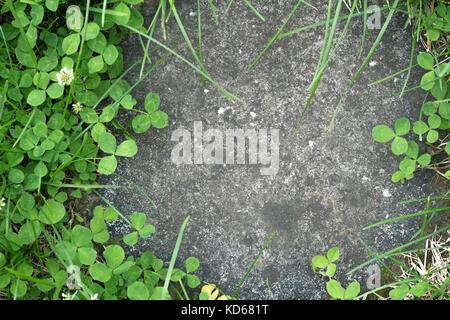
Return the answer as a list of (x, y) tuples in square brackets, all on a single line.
[(61, 89), (437, 115), (334, 288)]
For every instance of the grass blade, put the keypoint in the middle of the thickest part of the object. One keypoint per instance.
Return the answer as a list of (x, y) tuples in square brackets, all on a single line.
[(271, 41), (214, 11), (326, 56), (366, 61), (6, 45), (24, 128), (228, 7), (150, 29), (254, 10), (104, 12), (253, 263), (424, 199), (322, 51), (163, 15), (225, 92), (109, 204), (392, 75), (200, 56), (121, 177), (413, 46), (86, 186), (29, 278), (424, 223), (395, 250), (420, 213), (364, 29), (186, 38), (321, 23), (174, 257), (107, 11)]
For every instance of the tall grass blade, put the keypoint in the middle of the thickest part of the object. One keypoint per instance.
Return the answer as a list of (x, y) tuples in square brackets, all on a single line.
[(162, 3), (324, 22), (406, 216), (330, 56), (424, 223), (150, 29), (6, 45), (104, 12), (413, 46), (396, 250), (186, 38), (24, 128), (324, 45), (253, 263), (121, 177), (271, 41), (254, 10), (214, 11), (109, 204), (369, 56), (86, 186), (225, 92), (172, 260), (364, 29), (200, 54), (426, 199), (325, 57), (391, 75), (228, 6), (29, 278)]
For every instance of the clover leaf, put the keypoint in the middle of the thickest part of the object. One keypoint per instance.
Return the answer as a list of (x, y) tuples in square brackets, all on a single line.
[(382, 133), (138, 220), (155, 117)]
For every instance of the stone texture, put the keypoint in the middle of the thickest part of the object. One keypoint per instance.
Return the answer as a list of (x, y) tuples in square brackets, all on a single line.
[(329, 184)]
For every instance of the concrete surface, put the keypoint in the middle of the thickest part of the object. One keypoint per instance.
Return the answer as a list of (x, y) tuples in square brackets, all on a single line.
[(329, 184)]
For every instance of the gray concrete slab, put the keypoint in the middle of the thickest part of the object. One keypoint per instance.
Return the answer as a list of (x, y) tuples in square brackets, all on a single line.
[(329, 184)]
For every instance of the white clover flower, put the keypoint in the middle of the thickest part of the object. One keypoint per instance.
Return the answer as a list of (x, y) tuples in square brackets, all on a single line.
[(2, 202), (65, 76), (94, 296), (77, 107)]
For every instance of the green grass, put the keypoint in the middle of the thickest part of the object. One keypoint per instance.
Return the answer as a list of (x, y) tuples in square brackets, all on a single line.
[(253, 263), (174, 257)]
